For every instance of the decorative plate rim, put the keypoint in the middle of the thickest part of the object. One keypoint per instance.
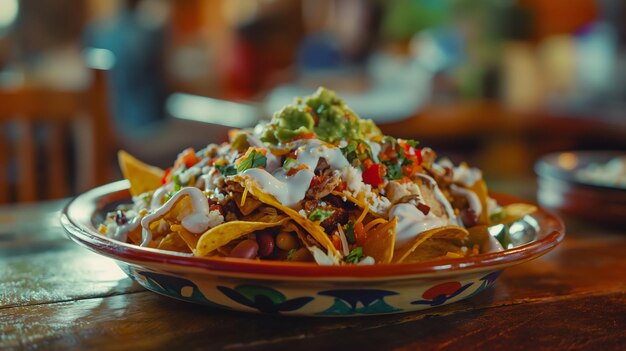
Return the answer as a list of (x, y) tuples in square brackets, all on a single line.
[(77, 220)]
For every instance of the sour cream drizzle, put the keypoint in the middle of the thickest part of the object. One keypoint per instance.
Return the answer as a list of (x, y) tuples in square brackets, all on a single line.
[(472, 198), (441, 198), (412, 222), (159, 194), (290, 190), (121, 232), (196, 222), (309, 154)]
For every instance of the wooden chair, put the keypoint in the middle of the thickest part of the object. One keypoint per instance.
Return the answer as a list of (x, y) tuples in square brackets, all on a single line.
[(39, 127)]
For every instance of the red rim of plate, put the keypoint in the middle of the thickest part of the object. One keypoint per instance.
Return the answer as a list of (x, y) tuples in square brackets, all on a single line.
[(78, 216)]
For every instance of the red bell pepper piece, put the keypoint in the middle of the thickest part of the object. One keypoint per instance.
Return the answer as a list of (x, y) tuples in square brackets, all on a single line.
[(373, 175)]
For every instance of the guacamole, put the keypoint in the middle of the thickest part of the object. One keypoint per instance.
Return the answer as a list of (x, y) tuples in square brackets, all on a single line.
[(322, 114)]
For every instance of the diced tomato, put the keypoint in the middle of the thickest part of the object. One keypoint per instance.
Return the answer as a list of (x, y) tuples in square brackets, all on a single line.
[(166, 176), (295, 170), (342, 186), (217, 208), (336, 242), (373, 175), (420, 158), (367, 163), (188, 158), (316, 180)]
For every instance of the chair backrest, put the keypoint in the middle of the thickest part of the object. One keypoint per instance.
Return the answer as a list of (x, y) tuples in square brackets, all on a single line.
[(38, 129)]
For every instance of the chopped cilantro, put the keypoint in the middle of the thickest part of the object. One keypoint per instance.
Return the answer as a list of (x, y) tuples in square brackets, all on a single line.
[(350, 151), (289, 162), (227, 170), (255, 159), (319, 215), (412, 142), (394, 171), (176, 180), (355, 255), (348, 230)]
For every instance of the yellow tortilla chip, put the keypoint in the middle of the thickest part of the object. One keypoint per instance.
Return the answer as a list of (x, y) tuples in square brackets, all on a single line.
[(173, 242), (190, 239), (246, 205), (380, 243), (479, 235), (316, 231), (223, 234), (435, 248), (480, 189), (511, 213), (449, 233), (142, 177)]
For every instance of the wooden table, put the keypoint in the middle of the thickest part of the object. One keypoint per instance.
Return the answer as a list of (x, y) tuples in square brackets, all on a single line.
[(57, 295)]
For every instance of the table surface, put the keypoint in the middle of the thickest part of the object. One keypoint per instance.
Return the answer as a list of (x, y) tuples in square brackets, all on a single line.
[(56, 294)]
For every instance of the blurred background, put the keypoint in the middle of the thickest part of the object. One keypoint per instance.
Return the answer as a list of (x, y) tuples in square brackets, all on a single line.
[(495, 82)]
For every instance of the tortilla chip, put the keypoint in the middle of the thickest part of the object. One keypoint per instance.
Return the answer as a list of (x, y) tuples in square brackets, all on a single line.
[(134, 236), (312, 228), (248, 205), (173, 242), (449, 233), (380, 243), (434, 248), (142, 177), (189, 238), (479, 235), (224, 233), (511, 213)]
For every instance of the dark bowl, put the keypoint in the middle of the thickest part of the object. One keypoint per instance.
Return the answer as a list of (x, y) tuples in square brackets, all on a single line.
[(560, 189)]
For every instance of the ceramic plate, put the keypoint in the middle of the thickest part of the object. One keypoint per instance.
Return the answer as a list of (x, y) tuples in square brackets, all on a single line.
[(304, 288)]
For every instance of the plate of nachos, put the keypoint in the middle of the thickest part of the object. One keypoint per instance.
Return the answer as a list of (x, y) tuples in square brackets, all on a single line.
[(314, 212)]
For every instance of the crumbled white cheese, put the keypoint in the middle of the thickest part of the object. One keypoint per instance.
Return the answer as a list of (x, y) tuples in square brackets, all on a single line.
[(215, 218), (352, 177), (367, 260), (466, 175), (322, 258)]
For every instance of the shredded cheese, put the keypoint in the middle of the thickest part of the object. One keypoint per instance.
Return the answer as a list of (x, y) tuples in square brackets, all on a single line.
[(244, 196), (363, 214)]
